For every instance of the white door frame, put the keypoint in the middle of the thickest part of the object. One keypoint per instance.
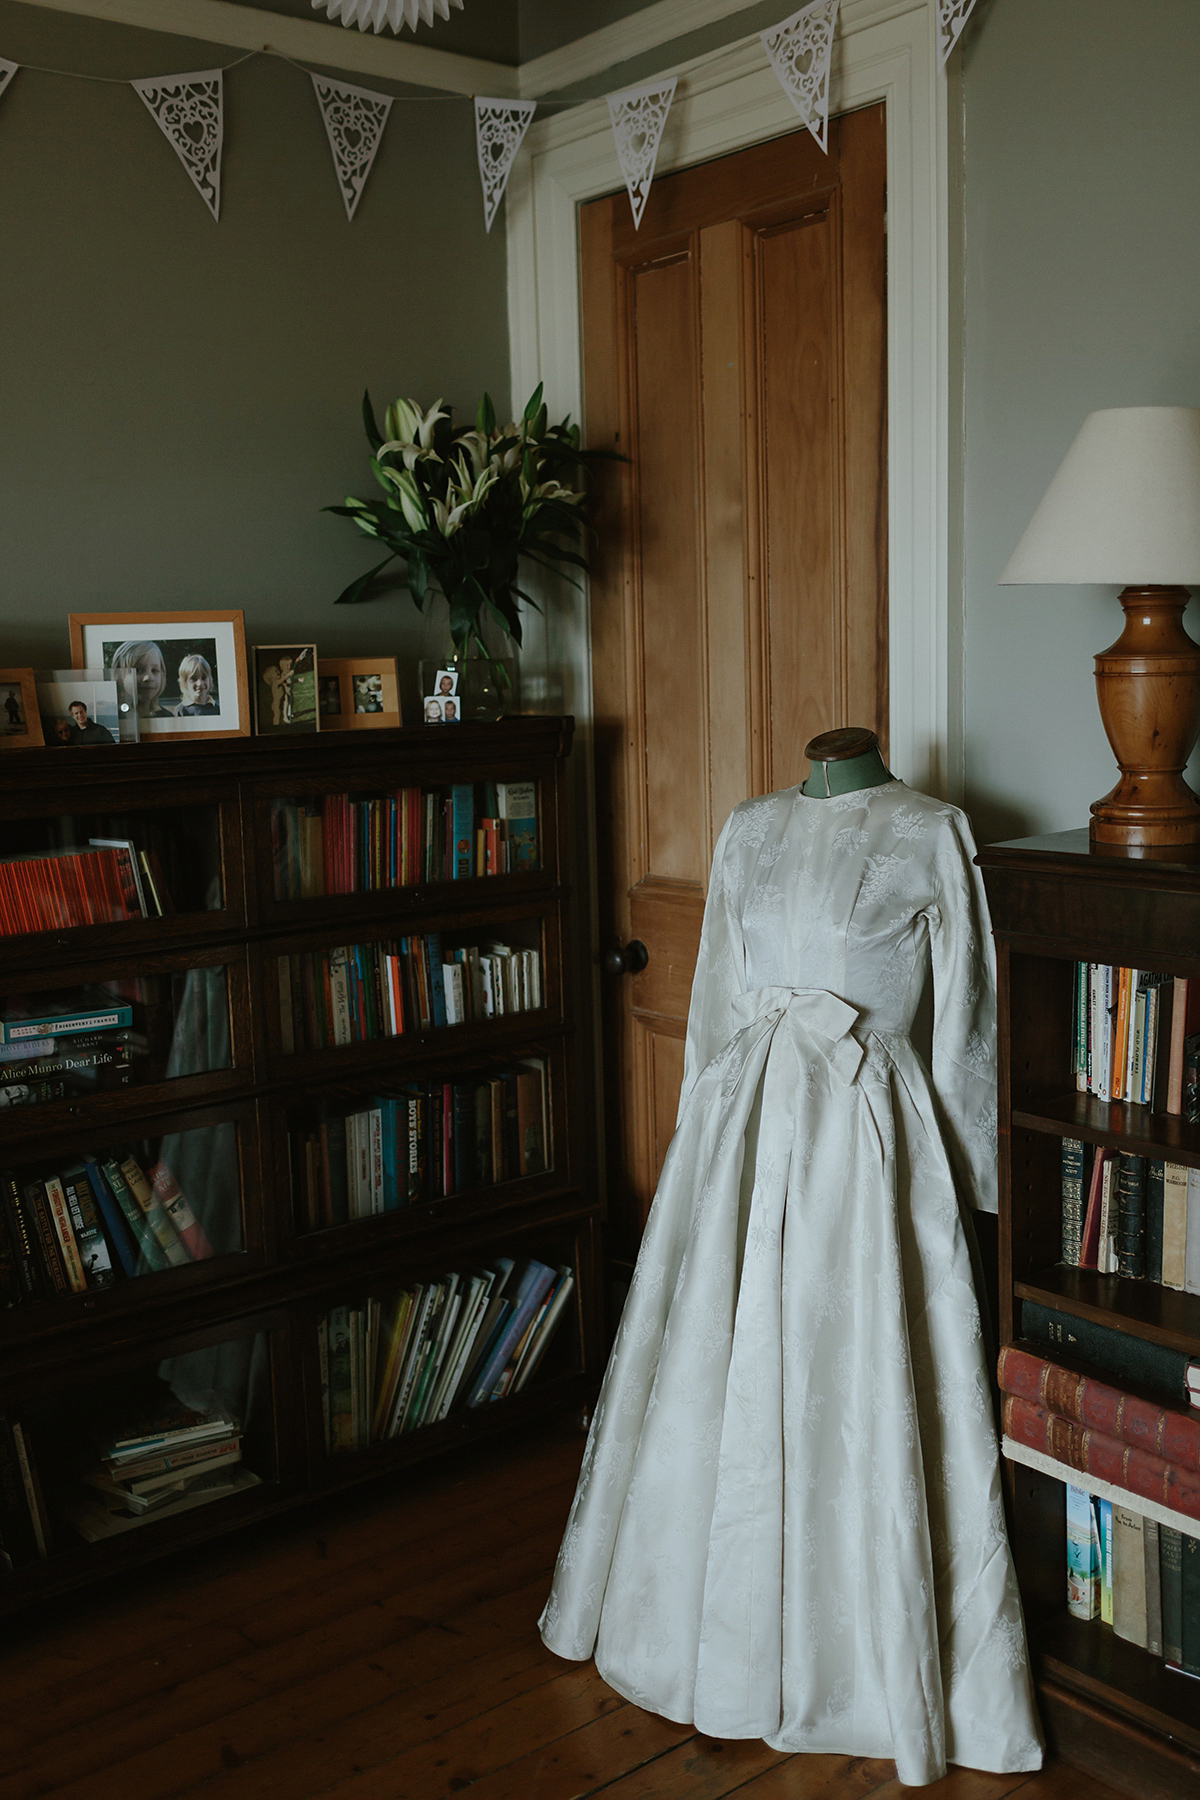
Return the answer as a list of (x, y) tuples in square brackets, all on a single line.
[(726, 100)]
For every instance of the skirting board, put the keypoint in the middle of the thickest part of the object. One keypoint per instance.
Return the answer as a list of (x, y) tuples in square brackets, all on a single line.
[(1092, 1484)]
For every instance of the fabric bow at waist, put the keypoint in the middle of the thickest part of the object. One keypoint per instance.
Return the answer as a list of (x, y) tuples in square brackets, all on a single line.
[(825, 1019)]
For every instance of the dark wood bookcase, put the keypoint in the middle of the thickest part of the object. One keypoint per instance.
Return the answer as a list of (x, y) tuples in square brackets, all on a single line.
[(257, 1301), (1109, 1706)]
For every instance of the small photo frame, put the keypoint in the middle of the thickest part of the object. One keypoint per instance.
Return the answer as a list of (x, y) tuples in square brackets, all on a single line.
[(190, 668), (20, 720), (445, 682), (358, 693), (125, 680), (80, 710), (285, 690)]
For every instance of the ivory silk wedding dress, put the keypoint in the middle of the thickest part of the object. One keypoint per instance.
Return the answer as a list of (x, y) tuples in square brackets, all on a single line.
[(788, 1524)]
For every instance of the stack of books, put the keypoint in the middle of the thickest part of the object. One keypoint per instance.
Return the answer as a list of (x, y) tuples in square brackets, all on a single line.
[(344, 844), (99, 883), (1133, 1529), (90, 1223), (358, 992), (152, 1465), (72, 1041), (1137, 1036), (1133, 1216), (425, 1141), (464, 1341)]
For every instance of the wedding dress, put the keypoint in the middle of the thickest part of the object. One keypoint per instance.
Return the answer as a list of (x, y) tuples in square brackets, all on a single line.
[(788, 1523)]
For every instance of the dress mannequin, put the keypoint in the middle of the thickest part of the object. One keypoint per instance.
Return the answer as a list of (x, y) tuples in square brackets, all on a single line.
[(850, 759)]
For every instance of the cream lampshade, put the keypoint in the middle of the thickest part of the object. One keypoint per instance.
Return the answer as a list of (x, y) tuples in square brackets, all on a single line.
[(1124, 508)]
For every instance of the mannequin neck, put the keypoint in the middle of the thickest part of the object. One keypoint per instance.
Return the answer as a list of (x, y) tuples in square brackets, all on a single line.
[(846, 776)]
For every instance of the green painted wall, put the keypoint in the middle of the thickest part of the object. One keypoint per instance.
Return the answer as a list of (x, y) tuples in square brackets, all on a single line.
[(179, 398), (1082, 270)]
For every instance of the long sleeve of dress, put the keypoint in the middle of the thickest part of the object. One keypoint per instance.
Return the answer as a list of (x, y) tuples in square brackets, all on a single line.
[(964, 1029), (720, 966)]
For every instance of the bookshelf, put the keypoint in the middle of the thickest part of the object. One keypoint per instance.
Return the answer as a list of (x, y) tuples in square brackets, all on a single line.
[(1109, 1706), (210, 1082)]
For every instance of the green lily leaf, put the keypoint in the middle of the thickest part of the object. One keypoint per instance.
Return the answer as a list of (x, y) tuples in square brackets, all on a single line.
[(374, 435), (485, 418), (357, 589), (532, 404)]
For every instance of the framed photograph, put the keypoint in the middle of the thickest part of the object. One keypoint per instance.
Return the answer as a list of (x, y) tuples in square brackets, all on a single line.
[(285, 690), (441, 709), (445, 682), (358, 693), (20, 720), (79, 711), (191, 668)]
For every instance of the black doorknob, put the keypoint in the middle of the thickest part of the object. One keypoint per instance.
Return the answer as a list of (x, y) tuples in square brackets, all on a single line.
[(629, 961)]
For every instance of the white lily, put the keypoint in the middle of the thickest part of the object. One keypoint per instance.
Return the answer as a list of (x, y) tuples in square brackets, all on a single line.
[(470, 494), (411, 503), (410, 432)]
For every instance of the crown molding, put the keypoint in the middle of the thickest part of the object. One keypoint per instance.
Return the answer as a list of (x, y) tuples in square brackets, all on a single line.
[(660, 23), (308, 40)]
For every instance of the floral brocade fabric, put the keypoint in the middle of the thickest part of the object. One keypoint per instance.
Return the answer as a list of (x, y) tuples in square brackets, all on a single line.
[(788, 1524)]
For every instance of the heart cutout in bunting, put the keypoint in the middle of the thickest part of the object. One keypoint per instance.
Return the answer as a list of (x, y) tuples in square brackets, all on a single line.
[(354, 121), (638, 116), (7, 71), (500, 127), (952, 15), (189, 111), (801, 49)]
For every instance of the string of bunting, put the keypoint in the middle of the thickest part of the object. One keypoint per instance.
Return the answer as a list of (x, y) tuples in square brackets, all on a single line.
[(189, 109)]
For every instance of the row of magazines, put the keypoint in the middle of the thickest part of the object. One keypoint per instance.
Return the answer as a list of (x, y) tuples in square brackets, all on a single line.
[(438, 1347)]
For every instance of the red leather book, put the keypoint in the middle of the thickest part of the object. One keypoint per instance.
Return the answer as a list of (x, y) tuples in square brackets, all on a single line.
[(1173, 1436), (1093, 1453)]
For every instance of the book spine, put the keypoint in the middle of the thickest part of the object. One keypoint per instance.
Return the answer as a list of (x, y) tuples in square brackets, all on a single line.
[(1116, 1353), (38, 1207), (1178, 1030), (1151, 1577), (1072, 1200), (175, 1204), (60, 1218), (1173, 1436), (32, 1488), (150, 1251), (1104, 1528), (20, 1231), (164, 1232), (1155, 1196), (1093, 1453), (1131, 1216), (1189, 1548), (1129, 1576), (1170, 1562), (93, 1250)]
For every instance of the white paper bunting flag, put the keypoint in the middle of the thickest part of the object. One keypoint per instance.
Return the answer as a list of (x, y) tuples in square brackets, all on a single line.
[(952, 15), (800, 49), (7, 71), (500, 126), (373, 15), (638, 116), (189, 111), (354, 120)]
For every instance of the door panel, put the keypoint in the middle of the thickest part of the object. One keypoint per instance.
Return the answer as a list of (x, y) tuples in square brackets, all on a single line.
[(733, 354)]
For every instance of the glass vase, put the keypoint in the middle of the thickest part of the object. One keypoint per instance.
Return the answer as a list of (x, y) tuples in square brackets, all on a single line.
[(487, 685)]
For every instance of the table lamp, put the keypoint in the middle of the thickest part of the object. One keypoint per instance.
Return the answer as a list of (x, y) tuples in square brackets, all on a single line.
[(1124, 508)]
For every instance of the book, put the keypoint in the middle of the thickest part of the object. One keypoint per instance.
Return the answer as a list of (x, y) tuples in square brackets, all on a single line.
[(1129, 1576), (1151, 1531), (516, 805), (63, 1014), (1073, 1164), (17, 1531), (1093, 1453), (1155, 1200), (1172, 1374), (97, 1516), (1167, 1433), (1170, 1565), (1179, 1012), (68, 1249), (1089, 1253), (1175, 1218), (1191, 1264), (151, 1256), (175, 1204), (1104, 1532), (1106, 1250), (1189, 1584), (27, 1268), (164, 1232), (93, 1246), (1131, 1217)]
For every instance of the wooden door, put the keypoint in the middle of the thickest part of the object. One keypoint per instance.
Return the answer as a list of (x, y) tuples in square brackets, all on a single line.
[(734, 353)]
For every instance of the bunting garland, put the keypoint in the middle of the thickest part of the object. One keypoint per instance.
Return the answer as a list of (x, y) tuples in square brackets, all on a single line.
[(189, 111), (500, 125), (638, 116), (354, 121), (800, 49), (952, 15), (189, 108)]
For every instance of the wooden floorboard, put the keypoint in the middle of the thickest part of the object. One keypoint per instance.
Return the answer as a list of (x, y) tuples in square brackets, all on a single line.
[(381, 1646)]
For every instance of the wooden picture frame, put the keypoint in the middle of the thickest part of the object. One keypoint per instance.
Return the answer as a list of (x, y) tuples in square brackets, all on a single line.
[(352, 673), (285, 690), (210, 638), (18, 692)]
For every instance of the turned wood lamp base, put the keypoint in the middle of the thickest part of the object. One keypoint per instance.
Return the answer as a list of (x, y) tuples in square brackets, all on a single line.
[(1148, 687)]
